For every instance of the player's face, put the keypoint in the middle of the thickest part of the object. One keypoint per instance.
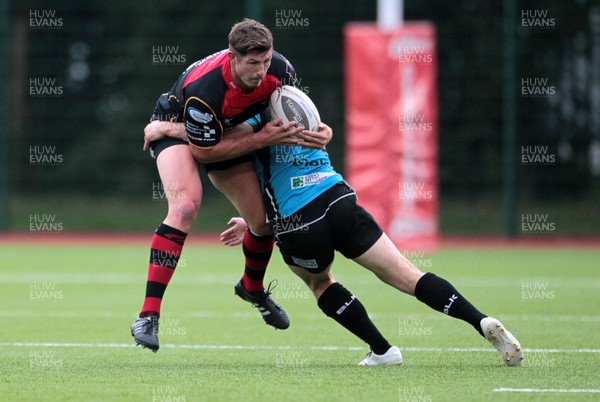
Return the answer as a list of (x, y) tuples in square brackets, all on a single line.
[(249, 70)]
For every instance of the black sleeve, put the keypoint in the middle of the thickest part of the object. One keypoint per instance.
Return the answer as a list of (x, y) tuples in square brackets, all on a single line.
[(168, 108), (283, 69), (202, 125)]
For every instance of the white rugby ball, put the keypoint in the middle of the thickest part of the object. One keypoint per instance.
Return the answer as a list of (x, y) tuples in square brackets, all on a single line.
[(290, 103)]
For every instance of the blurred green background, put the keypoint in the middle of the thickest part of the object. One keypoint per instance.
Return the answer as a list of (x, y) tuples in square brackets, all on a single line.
[(95, 65)]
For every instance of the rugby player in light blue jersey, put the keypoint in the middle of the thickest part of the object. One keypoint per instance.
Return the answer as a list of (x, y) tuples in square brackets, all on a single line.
[(314, 212)]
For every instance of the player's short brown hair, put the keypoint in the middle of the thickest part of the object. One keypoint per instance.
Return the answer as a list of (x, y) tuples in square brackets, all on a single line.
[(250, 36)]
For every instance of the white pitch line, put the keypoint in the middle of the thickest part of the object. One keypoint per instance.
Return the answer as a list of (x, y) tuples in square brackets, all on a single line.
[(304, 316), (173, 346), (543, 390), (121, 314), (422, 349), (269, 347), (204, 279)]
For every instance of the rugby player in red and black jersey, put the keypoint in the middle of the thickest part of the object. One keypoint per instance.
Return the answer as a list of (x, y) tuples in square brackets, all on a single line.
[(211, 97)]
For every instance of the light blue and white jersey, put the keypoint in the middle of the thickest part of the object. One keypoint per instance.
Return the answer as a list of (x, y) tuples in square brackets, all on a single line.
[(292, 176)]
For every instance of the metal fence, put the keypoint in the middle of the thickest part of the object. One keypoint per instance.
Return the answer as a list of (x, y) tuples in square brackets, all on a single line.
[(80, 81)]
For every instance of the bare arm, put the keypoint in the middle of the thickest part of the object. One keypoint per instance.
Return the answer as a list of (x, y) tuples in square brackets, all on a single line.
[(156, 130), (239, 141)]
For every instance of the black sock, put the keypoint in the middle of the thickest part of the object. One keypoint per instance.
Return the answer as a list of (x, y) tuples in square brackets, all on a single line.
[(440, 295), (341, 305)]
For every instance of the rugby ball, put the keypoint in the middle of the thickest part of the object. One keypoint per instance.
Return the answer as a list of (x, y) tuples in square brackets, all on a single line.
[(290, 103)]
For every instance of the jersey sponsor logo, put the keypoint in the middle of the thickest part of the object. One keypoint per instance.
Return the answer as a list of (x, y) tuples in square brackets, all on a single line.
[(200, 133), (309, 180), (199, 116), (310, 264), (203, 129), (305, 162)]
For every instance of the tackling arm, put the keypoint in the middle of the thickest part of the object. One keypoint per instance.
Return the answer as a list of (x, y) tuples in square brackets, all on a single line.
[(155, 130), (239, 140)]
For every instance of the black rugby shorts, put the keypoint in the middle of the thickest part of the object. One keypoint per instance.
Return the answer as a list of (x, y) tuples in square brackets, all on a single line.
[(332, 221)]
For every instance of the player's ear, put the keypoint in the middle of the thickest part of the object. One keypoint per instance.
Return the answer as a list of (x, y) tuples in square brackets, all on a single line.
[(231, 54)]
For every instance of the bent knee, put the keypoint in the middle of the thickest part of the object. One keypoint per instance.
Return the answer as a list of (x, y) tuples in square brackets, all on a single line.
[(319, 285), (185, 209), (260, 229)]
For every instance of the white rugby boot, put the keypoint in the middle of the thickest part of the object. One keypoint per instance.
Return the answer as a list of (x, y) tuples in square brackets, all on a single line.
[(505, 342), (392, 356)]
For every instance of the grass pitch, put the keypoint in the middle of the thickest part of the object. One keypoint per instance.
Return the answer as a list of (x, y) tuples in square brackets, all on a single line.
[(66, 312)]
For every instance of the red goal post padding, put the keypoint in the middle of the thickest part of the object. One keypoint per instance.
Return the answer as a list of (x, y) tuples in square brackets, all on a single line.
[(391, 129)]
